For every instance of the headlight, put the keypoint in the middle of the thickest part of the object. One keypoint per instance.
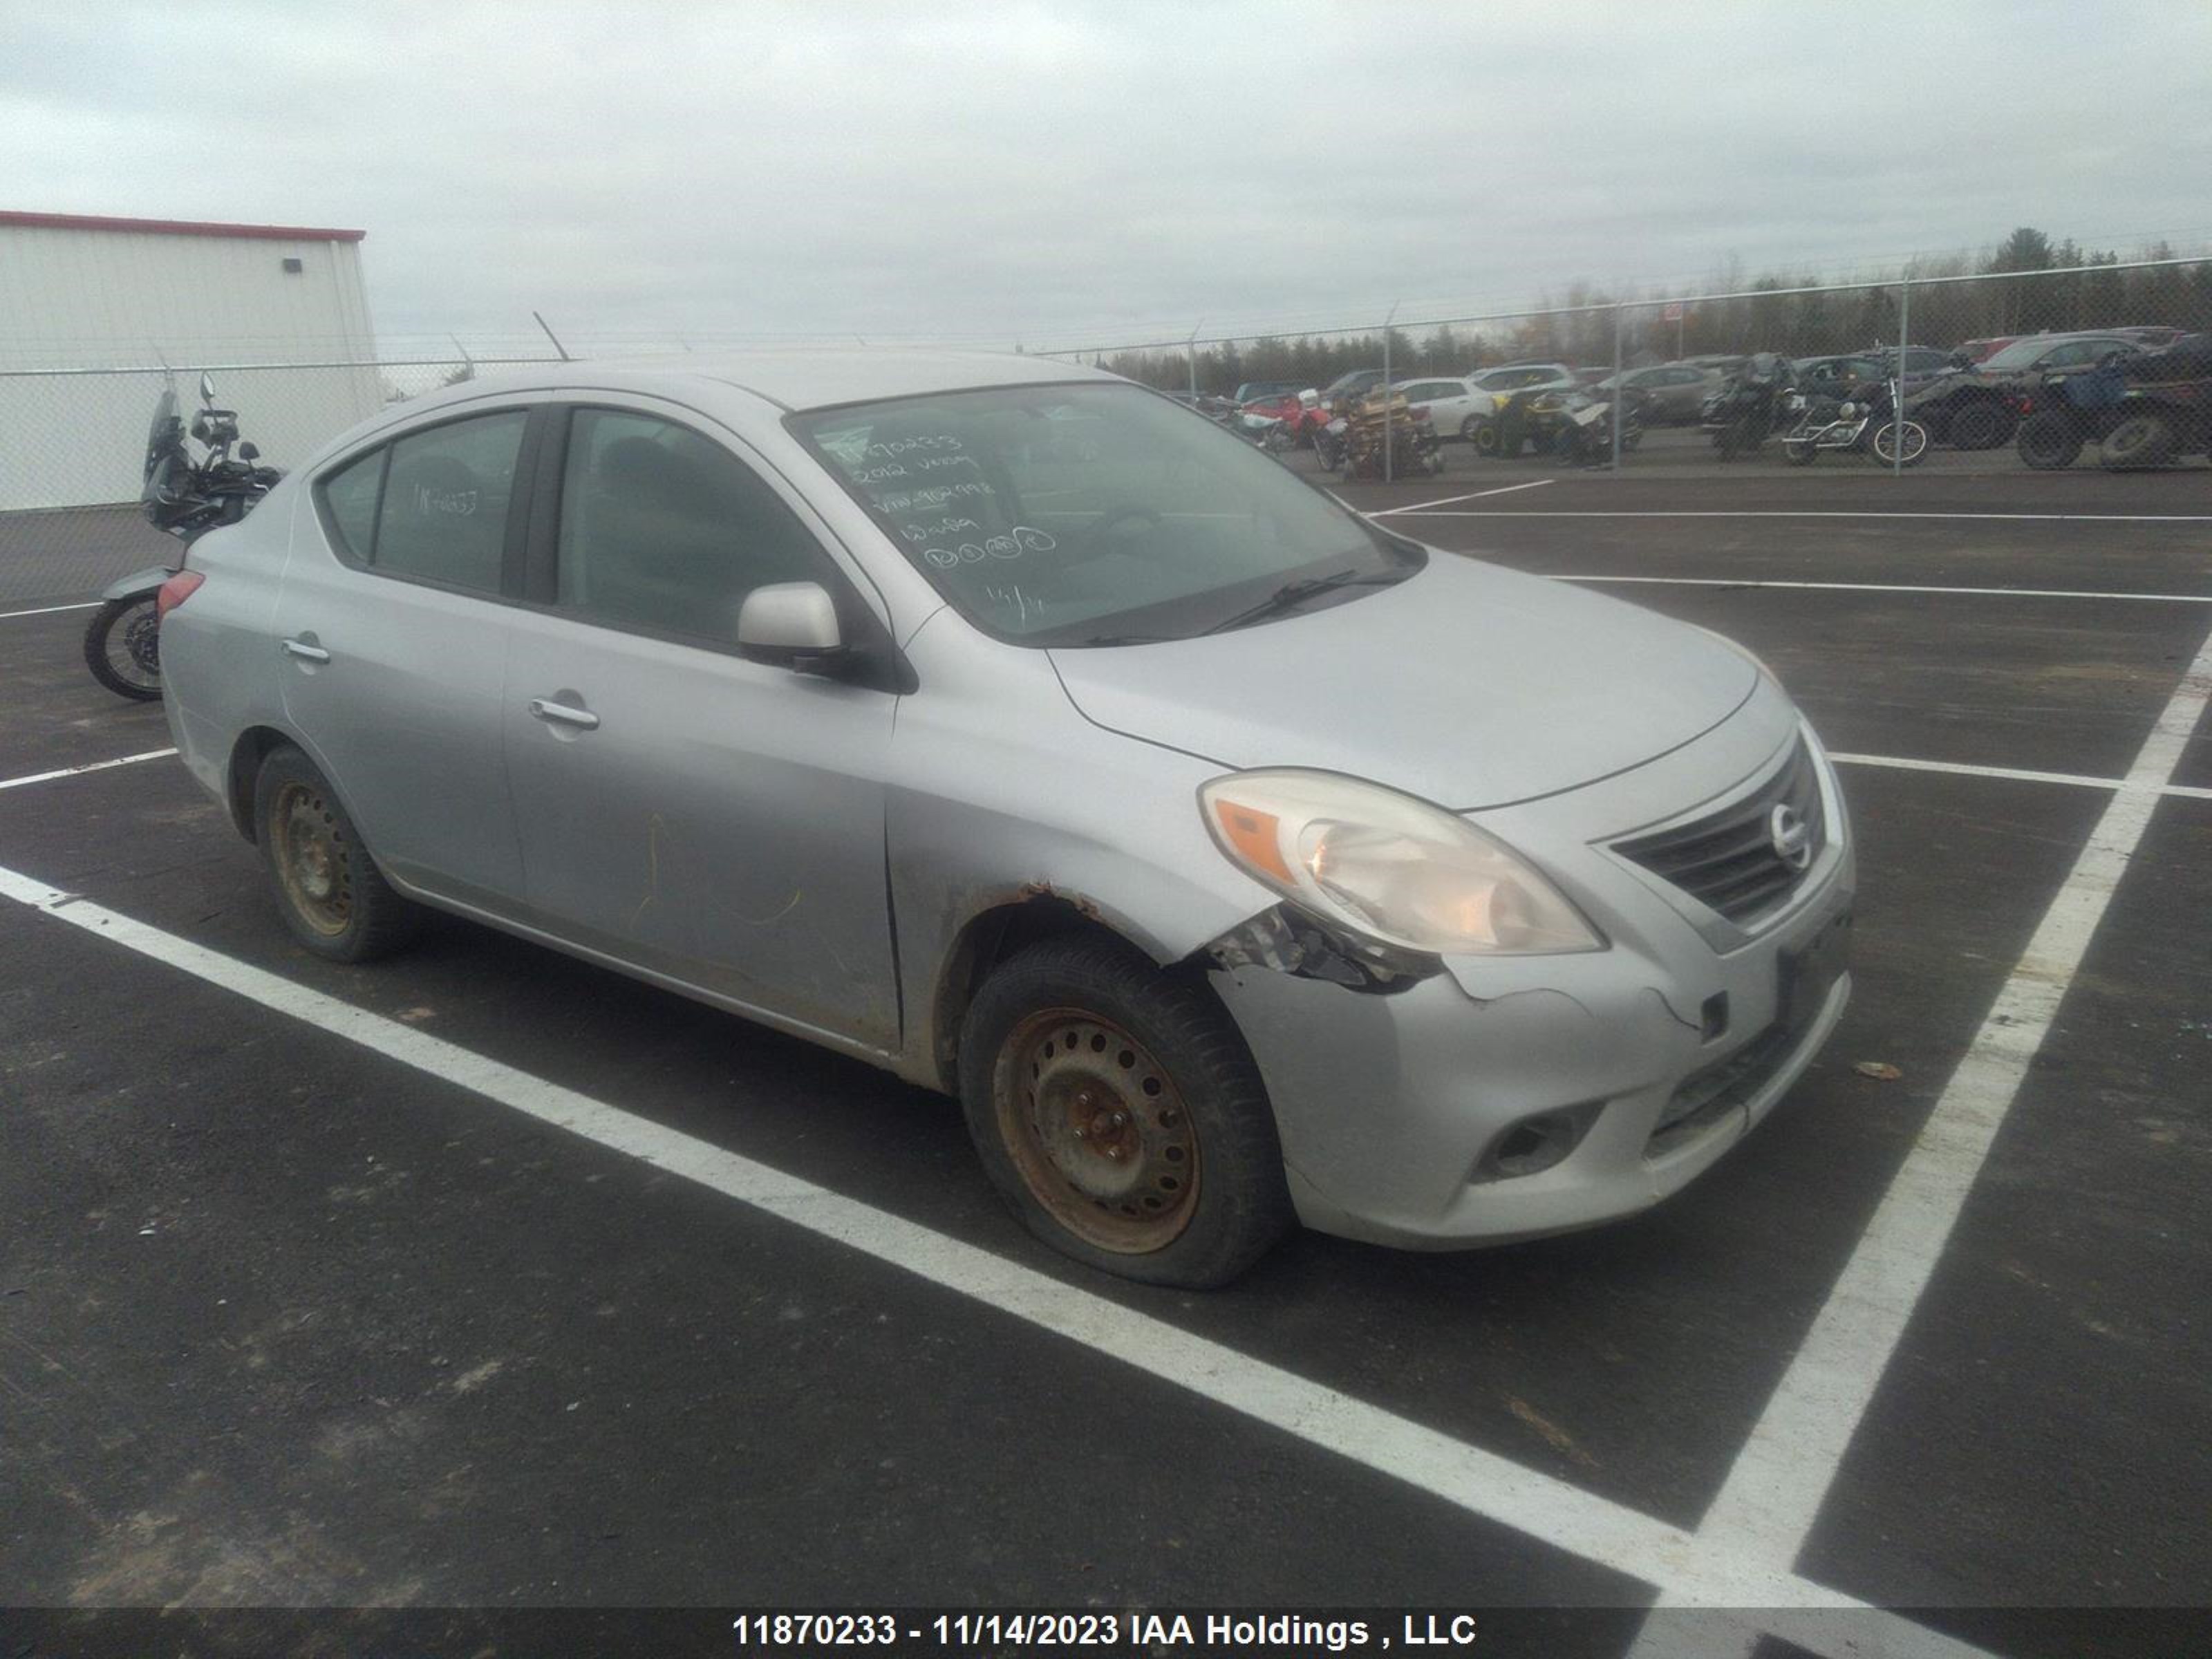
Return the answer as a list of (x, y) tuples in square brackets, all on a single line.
[(1387, 866)]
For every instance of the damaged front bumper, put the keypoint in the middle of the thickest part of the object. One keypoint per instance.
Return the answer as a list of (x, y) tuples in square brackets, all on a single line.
[(1481, 1102)]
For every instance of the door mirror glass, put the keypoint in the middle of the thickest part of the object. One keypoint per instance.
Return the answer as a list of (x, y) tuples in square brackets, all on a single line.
[(207, 389), (793, 624)]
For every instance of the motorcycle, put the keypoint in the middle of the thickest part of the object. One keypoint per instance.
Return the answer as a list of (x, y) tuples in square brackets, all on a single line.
[(1296, 416), (1356, 440), (180, 497), (1742, 414), (1865, 425)]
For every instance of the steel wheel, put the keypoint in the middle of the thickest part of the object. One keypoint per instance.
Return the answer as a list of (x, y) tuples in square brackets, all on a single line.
[(312, 857), (1098, 1131)]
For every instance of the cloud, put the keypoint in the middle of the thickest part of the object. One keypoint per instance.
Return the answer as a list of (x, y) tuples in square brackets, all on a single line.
[(1104, 170)]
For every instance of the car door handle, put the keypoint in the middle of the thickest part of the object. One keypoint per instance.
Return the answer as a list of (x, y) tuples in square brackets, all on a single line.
[(305, 652), (561, 714)]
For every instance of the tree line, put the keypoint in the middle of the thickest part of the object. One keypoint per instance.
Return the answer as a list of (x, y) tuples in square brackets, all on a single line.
[(1578, 327)]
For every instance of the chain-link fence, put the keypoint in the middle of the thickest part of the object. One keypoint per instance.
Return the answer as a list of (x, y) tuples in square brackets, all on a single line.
[(2100, 362)]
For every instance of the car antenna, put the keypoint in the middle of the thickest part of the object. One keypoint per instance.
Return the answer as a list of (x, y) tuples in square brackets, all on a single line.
[(556, 338)]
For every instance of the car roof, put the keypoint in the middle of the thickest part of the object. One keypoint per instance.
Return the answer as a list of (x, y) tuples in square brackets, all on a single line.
[(797, 377)]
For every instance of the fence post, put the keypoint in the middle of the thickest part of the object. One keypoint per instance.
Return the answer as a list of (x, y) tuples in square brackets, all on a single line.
[(1388, 443), (1903, 342), (1190, 359), (1619, 381)]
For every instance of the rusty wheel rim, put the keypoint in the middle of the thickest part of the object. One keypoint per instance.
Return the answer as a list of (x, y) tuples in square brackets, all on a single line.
[(313, 863), (1098, 1131)]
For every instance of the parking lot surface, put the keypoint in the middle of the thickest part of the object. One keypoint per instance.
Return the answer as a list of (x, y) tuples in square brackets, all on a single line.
[(483, 1277)]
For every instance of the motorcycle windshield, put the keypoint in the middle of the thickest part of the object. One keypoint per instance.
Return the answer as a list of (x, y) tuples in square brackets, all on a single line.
[(161, 444)]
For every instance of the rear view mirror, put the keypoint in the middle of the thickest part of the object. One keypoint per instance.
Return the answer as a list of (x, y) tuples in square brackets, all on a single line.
[(791, 624), (207, 389)]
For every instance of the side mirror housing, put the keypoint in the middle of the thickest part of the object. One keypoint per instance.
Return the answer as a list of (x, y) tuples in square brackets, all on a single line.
[(249, 451), (207, 389), (792, 625)]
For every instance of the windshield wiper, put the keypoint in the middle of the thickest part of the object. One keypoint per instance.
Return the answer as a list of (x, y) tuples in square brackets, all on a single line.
[(1290, 595)]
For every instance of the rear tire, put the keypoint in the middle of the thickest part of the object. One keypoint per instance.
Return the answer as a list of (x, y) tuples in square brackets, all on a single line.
[(1800, 452), (2048, 441), (333, 897), (122, 648), (1116, 1109), (2139, 443)]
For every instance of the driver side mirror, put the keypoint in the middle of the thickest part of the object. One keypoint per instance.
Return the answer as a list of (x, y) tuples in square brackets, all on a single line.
[(791, 625), (207, 389), (249, 451)]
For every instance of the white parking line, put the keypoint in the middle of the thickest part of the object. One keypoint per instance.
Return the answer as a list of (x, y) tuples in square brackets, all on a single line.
[(49, 610), (73, 771), (1421, 506), (1479, 1482), (1767, 1506), (1895, 587), (2018, 518), (2074, 780)]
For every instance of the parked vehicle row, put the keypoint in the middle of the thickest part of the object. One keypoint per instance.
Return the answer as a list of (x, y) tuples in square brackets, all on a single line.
[(1977, 397)]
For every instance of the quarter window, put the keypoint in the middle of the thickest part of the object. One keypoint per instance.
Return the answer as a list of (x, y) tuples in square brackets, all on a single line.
[(351, 496), (663, 529), (446, 494)]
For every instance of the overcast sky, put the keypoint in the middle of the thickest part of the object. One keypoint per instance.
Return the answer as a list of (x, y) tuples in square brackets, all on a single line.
[(1062, 172)]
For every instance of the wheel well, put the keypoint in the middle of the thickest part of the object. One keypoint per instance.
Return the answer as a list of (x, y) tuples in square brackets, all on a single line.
[(987, 939), (246, 758)]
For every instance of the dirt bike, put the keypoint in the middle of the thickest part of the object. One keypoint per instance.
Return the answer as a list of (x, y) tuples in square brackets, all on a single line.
[(180, 497)]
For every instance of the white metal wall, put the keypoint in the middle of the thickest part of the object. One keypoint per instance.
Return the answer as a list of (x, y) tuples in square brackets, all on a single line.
[(92, 299)]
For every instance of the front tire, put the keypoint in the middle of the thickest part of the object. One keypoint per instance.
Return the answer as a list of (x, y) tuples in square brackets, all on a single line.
[(1911, 434), (122, 648), (333, 897), (1116, 1109), (1482, 433)]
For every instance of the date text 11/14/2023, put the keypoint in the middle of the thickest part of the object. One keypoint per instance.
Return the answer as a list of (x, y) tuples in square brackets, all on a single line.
[(1154, 1631)]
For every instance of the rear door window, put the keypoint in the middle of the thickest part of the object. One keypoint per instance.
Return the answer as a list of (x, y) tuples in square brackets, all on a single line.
[(443, 514)]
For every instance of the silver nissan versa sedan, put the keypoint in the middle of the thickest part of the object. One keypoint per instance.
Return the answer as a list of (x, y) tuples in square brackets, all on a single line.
[(1235, 858)]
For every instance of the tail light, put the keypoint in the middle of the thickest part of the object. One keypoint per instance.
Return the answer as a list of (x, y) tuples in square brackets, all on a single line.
[(175, 591), (2023, 404)]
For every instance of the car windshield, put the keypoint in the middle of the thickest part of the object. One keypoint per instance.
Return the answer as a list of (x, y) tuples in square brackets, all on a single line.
[(1092, 514)]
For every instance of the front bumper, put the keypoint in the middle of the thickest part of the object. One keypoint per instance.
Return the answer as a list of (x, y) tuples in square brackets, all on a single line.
[(1391, 1105)]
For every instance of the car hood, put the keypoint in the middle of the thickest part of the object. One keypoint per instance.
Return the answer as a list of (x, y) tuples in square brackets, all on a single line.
[(1467, 685)]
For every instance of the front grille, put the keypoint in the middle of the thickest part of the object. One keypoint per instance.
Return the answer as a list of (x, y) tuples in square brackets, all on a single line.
[(1728, 859)]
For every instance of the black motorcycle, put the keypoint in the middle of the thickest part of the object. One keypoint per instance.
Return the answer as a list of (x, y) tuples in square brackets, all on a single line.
[(180, 497), (1742, 414)]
